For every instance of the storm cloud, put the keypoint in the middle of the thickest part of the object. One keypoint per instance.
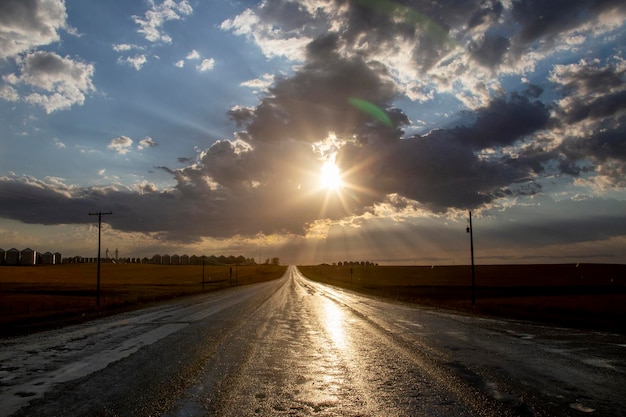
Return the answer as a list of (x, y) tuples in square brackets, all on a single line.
[(265, 178)]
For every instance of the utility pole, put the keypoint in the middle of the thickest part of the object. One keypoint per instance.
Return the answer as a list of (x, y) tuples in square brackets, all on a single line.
[(99, 214), (471, 232)]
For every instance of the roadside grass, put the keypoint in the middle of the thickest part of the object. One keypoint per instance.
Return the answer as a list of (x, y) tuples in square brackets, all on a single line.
[(590, 296), (33, 298)]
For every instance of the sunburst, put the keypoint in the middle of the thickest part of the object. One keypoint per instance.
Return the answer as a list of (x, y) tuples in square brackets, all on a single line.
[(330, 176)]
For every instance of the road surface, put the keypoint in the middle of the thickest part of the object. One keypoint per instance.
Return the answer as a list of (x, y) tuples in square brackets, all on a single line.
[(295, 347)]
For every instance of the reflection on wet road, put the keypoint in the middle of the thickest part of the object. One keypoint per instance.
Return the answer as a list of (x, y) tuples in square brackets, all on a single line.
[(295, 347)]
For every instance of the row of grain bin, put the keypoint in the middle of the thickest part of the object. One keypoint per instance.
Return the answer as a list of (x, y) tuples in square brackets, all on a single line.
[(28, 256)]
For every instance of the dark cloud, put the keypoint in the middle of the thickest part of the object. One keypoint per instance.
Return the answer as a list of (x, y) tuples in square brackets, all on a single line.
[(440, 170), (600, 145), (490, 52), (241, 115), (323, 48), (545, 19), (315, 101), (598, 108), (443, 169), (32, 201), (292, 17), (559, 222), (593, 101), (433, 29), (592, 92), (587, 78), (374, 27), (268, 183), (183, 214), (266, 179), (505, 121), (489, 14)]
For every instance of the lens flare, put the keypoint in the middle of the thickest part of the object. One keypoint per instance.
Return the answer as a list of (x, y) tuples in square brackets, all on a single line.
[(371, 109)]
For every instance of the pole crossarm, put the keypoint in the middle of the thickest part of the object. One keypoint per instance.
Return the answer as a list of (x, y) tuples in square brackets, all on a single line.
[(99, 214)]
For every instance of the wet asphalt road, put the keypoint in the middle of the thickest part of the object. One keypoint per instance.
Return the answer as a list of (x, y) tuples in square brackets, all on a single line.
[(295, 347)]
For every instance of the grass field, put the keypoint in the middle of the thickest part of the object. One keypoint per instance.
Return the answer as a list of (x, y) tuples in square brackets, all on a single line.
[(36, 297), (589, 296)]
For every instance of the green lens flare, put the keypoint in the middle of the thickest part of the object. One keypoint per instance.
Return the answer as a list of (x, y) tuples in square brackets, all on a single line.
[(371, 109), (401, 12)]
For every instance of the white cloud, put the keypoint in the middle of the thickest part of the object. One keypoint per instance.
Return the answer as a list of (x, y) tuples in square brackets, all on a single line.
[(28, 24), (147, 142), (57, 83), (272, 41), (57, 181), (260, 84), (206, 65), (58, 143), (9, 93), (136, 61), (124, 47), (154, 18), (121, 145), (242, 24), (193, 55)]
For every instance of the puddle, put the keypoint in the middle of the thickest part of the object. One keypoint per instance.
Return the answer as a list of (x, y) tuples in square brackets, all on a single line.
[(580, 407), (600, 363)]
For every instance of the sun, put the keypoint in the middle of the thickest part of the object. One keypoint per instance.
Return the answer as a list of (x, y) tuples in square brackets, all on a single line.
[(330, 176)]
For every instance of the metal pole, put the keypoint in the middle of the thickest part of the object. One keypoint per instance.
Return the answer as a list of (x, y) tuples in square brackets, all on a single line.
[(99, 214), (202, 272), (471, 232)]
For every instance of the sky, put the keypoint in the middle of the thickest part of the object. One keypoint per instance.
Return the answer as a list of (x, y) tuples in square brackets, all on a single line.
[(316, 130)]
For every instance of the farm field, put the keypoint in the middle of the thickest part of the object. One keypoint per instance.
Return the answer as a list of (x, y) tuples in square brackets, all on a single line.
[(591, 296), (36, 297)]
